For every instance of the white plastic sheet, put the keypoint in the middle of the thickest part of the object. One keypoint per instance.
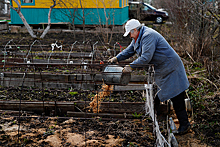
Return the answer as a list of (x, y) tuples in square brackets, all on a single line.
[(149, 107)]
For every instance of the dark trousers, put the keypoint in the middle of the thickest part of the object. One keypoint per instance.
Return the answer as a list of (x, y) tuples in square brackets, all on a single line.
[(178, 105)]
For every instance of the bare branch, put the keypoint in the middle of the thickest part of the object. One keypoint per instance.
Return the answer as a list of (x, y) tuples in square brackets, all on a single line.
[(23, 19), (49, 20), (214, 15), (202, 78)]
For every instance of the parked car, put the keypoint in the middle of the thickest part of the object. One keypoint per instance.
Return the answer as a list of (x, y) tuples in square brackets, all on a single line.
[(146, 12)]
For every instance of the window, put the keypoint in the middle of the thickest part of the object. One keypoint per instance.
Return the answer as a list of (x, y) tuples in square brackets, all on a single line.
[(133, 6), (27, 2), (146, 8), (149, 6)]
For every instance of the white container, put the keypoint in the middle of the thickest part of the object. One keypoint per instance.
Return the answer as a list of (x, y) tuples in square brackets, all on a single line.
[(188, 105)]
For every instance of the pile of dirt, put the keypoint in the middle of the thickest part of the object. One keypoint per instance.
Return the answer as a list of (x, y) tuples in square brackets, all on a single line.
[(56, 132), (74, 132)]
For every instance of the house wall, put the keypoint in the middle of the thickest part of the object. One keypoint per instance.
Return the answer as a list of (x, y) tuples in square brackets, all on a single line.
[(95, 13), (72, 3)]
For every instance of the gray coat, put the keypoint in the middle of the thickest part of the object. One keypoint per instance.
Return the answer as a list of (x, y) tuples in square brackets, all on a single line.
[(152, 48)]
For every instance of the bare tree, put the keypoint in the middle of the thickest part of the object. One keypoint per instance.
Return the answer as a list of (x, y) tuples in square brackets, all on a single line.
[(194, 26), (73, 10), (49, 20), (109, 19), (83, 19), (31, 32), (70, 13)]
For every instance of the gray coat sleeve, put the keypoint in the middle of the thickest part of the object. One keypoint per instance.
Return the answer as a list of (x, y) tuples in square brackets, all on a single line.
[(148, 47), (126, 53)]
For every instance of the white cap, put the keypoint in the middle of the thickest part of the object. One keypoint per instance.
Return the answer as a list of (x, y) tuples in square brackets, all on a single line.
[(130, 25)]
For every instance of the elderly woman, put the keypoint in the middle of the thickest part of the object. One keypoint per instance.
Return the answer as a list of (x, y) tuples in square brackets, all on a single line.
[(152, 48)]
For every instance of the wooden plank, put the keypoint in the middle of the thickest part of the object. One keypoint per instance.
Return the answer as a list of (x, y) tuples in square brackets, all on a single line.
[(3, 26), (52, 55), (70, 77), (62, 108), (11, 112), (39, 107), (101, 115)]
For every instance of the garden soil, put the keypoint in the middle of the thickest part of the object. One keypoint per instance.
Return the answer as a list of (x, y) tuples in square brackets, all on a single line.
[(58, 132)]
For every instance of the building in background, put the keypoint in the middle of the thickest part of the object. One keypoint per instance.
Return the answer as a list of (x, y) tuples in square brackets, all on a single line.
[(99, 12)]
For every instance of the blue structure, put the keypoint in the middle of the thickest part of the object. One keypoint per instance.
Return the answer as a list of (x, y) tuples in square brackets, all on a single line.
[(36, 12)]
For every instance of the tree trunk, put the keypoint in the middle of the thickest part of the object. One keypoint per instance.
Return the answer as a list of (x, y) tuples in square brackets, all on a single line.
[(31, 32), (49, 20), (23, 19)]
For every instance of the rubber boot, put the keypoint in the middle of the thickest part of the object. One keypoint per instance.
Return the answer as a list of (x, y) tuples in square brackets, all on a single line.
[(184, 122), (157, 106)]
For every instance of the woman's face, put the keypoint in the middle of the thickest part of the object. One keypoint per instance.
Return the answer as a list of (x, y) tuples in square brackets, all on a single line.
[(134, 33)]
